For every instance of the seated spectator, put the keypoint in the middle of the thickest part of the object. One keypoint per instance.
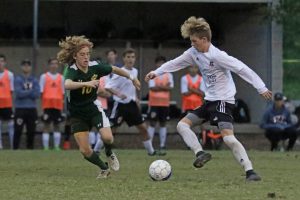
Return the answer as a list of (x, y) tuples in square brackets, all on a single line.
[(278, 125)]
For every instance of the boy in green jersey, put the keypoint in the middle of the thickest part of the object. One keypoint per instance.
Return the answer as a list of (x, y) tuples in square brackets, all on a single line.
[(81, 81)]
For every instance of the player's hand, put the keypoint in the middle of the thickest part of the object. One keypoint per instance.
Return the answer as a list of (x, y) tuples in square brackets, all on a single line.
[(267, 95), (149, 76), (93, 83), (136, 83)]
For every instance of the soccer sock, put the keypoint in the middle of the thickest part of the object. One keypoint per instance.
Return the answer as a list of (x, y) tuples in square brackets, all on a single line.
[(108, 148), (238, 151), (189, 137), (45, 140), (92, 138), (1, 146), (163, 136), (94, 158), (57, 138), (11, 132), (148, 146), (98, 146), (151, 132)]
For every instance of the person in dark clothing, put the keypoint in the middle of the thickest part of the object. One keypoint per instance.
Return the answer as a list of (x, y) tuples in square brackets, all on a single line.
[(278, 125), (27, 91)]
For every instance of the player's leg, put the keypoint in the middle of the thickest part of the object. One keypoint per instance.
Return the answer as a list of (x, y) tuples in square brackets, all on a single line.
[(152, 116), (67, 134), (46, 119), (1, 145), (291, 134), (274, 136), (11, 132), (82, 139), (99, 144), (57, 119), (18, 126), (31, 122), (163, 115)]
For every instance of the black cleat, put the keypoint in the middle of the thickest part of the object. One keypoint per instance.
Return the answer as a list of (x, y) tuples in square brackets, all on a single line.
[(202, 158), (153, 154), (252, 176), (162, 151)]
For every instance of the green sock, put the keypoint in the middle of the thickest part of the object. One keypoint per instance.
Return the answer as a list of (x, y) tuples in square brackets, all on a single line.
[(94, 158), (108, 148)]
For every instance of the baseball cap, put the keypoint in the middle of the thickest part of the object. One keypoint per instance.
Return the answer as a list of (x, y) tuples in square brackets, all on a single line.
[(278, 96), (25, 62)]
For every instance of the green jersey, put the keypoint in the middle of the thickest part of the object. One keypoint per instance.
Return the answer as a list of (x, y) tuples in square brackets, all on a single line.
[(81, 102)]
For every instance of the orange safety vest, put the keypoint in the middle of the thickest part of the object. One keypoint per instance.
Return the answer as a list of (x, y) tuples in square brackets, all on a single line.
[(101, 99), (192, 101), (160, 98), (53, 95), (5, 91)]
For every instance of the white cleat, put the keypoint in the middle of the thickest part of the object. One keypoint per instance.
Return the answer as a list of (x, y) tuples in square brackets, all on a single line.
[(104, 173), (113, 162)]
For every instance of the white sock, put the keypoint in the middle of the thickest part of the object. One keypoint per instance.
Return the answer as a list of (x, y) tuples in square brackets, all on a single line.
[(11, 132), (151, 132), (189, 137), (92, 138), (148, 146), (45, 140), (238, 151), (1, 147), (98, 146), (56, 138), (163, 136)]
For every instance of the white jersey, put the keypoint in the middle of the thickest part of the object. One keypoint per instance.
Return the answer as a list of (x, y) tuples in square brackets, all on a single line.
[(11, 79), (215, 66), (123, 86)]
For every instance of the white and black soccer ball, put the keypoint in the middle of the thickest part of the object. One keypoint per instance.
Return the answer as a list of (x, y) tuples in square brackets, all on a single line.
[(160, 170)]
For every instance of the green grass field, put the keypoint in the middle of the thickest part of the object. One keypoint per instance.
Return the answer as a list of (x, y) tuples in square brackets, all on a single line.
[(65, 175)]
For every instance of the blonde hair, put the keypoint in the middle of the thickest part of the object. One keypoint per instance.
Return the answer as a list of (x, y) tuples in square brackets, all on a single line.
[(70, 46), (196, 26)]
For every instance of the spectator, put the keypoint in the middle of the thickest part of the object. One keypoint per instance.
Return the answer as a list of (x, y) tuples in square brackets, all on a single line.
[(27, 91), (111, 57), (278, 125), (52, 91), (6, 90), (159, 102), (192, 96)]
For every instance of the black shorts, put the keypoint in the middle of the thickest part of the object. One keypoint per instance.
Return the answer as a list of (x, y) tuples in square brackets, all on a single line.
[(52, 115), (128, 112), (6, 114), (215, 112), (158, 113)]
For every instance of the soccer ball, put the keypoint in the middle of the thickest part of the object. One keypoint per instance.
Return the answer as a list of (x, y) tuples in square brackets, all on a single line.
[(160, 170)]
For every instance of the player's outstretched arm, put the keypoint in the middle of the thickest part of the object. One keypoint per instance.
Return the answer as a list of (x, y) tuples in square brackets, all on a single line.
[(72, 85), (121, 72)]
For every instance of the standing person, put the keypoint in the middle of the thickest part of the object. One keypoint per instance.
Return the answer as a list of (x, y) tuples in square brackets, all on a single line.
[(125, 106), (52, 91), (159, 102), (192, 95), (27, 91), (111, 57), (215, 66), (278, 124), (81, 81), (6, 102)]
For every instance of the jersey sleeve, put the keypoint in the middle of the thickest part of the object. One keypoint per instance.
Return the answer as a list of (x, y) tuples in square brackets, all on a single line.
[(151, 83), (171, 80), (228, 62), (42, 83), (11, 80), (103, 69), (183, 85)]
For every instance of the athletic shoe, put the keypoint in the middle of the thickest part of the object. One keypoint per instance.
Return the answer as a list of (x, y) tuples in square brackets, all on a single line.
[(57, 149), (252, 176), (113, 162), (202, 158), (162, 151), (152, 154), (104, 173), (67, 145)]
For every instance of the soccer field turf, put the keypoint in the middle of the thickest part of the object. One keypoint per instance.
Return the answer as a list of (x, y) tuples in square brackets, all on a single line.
[(66, 175)]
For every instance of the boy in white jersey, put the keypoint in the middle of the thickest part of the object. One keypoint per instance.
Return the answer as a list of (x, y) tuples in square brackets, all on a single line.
[(215, 66), (52, 90), (125, 106)]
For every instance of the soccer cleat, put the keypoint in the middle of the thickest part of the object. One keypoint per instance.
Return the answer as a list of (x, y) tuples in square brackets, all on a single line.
[(104, 173), (162, 151), (202, 158), (152, 154), (113, 162), (57, 149), (252, 176)]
